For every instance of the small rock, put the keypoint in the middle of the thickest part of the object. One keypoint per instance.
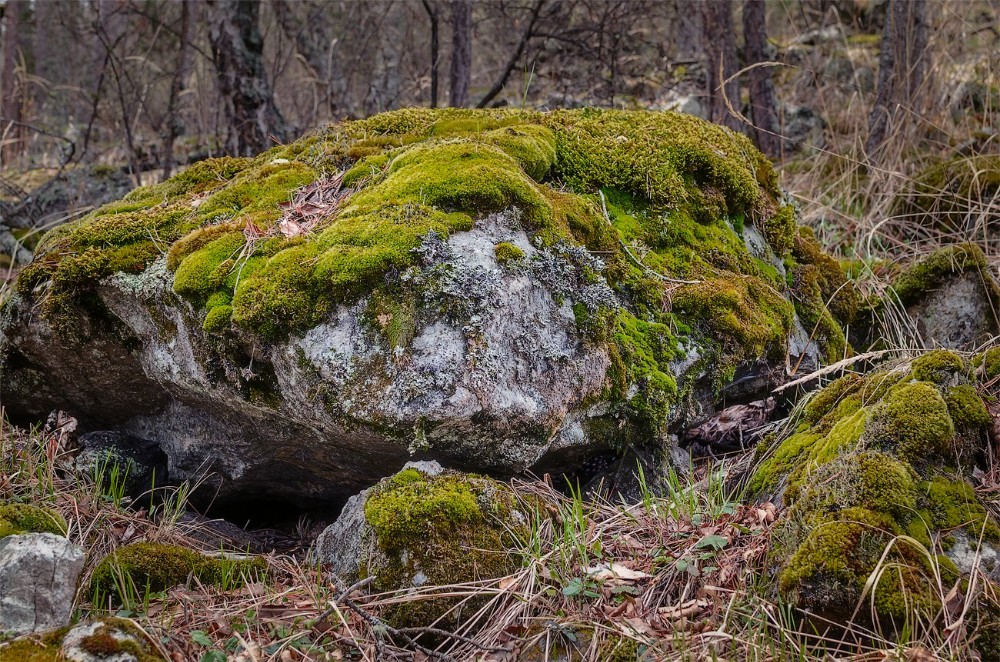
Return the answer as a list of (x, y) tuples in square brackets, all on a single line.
[(104, 641), (38, 576)]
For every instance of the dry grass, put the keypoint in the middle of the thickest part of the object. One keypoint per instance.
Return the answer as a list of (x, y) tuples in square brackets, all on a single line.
[(853, 200)]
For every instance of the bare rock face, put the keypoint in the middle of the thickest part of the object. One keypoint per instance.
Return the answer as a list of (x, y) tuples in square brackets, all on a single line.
[(494, 290), (38, 577)]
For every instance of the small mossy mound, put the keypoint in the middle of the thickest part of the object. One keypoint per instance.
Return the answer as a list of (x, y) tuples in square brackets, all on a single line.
[(938, 366), (36, 648), (507, 252), (152, 567), (953, 194), (18, 518), (440, 530), (104, 639), (877, 457)]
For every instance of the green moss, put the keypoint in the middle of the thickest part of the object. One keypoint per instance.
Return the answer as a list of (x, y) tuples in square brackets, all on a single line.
[(18, 518), (930, 272), (866, 465), (833, 291), (415, 171), (642, 352), (450, 528), (131, 643), (991, 363), (780, 230), (867, 479), (747, 315), (156, 567), (966, 408), (825, 400), (913, 421), (938, 366), (949, 503), (218, 318), (38, 648), (828, 570), (507, 252), (207, 269)]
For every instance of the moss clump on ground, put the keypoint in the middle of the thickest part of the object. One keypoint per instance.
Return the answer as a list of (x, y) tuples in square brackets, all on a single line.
[(938, 366), (38, 648), (875, 457), (953, 194), (18, 518), (111, 638), (440, 530), (153, 567)]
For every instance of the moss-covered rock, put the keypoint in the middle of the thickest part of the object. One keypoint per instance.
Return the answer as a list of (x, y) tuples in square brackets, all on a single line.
[(952, 297), (90, 641), (877, 476), (956, 195), (17, 518), (477, 285), (428, 527), (144, 567)]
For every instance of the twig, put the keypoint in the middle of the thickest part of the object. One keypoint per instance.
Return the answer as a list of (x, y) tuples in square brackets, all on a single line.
[(637, 261), (834, 367), (378, 624)]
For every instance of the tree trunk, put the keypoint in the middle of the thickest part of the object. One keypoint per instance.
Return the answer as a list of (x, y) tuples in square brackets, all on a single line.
[(10, 96), (720, 62), (238, 54), (762, 106), (174, 121), (461, 51), (688, 30), (314, 44), (902, 67), (432, 14)]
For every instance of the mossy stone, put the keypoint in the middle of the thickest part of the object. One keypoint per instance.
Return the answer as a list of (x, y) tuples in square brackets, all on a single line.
[(440, 530), (937, 366), (18, 518), (914, 422), (877, 456)]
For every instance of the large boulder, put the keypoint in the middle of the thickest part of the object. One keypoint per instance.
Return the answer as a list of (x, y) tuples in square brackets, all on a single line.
[(38, 578), (496, 290)]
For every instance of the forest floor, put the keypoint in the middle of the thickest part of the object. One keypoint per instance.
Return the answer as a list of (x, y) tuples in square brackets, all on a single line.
[(683, 575)]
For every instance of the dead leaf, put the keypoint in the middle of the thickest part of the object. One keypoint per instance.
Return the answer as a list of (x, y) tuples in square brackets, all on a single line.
[(604, 571), (726, 430), (683, 610)]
